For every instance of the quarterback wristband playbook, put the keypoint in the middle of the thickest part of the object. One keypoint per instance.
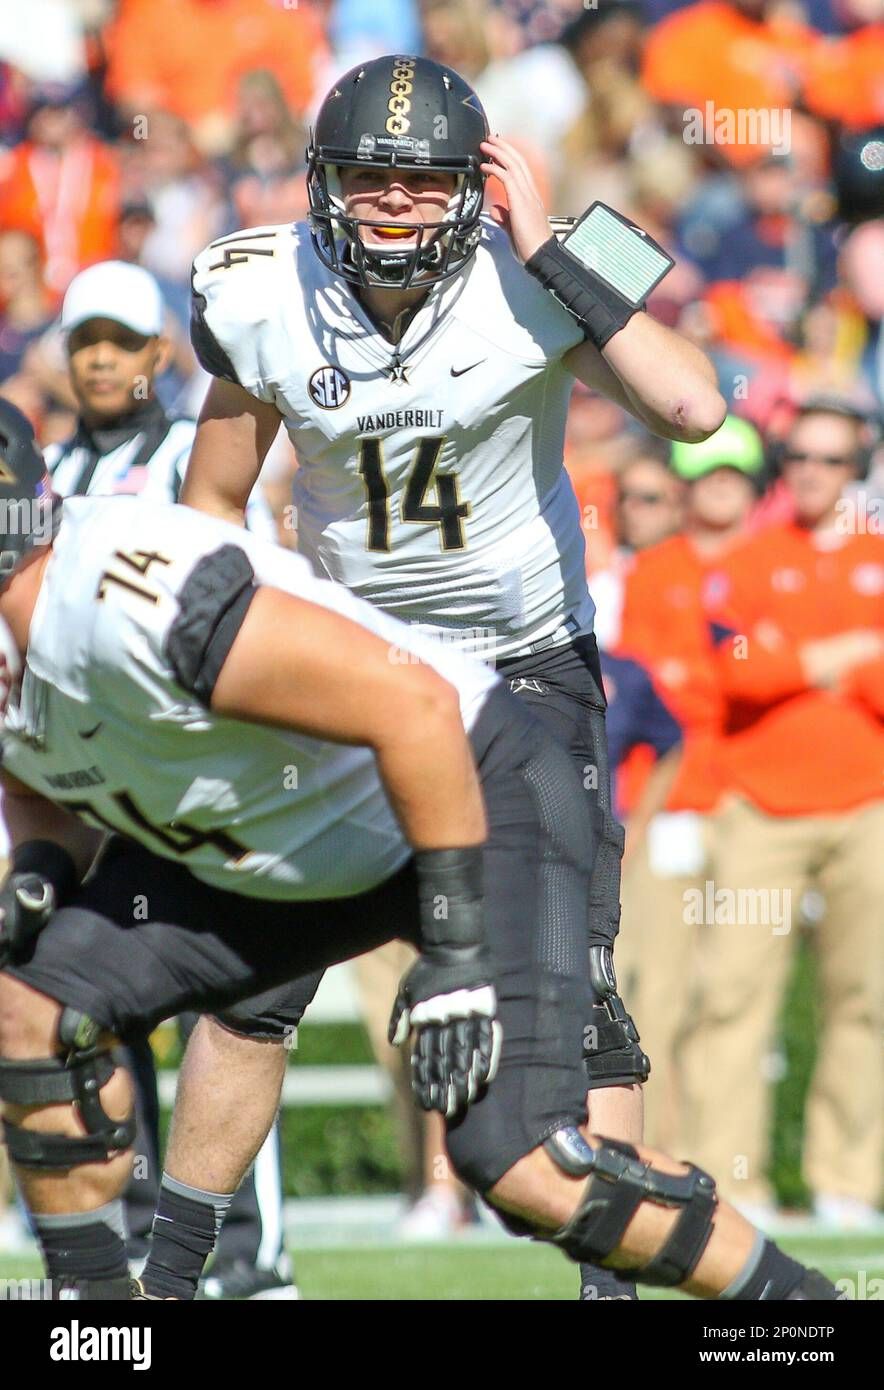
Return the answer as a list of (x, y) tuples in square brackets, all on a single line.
[(602, 271)]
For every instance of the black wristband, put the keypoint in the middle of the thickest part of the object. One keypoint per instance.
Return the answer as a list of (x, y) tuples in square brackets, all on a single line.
[(449, 885), (50, 861), (597, 307)]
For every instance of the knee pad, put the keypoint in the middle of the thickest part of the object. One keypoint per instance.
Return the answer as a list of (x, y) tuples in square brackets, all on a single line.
[(619, 1181), (78, 1077)]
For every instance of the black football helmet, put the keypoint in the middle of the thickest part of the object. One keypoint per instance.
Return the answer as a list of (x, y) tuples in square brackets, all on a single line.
[(402, 113), (27, 502)]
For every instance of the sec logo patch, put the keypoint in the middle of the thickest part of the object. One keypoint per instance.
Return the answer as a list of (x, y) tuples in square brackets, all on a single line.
[(329, 388)]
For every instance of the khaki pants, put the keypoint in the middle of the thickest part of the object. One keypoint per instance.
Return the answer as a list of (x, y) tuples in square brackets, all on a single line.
[(655, 957), (745, 959)]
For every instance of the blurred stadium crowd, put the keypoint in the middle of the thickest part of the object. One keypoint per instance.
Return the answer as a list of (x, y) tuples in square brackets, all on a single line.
[(739, 583)]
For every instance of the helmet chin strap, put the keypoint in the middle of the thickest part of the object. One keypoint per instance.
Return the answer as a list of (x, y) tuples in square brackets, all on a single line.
[(429, 255), (339, 243)]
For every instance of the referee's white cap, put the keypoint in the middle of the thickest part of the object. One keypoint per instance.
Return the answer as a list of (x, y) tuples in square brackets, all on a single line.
[(116, 290)]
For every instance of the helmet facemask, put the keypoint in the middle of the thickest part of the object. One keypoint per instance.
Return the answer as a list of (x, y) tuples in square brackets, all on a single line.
[(443, 248)]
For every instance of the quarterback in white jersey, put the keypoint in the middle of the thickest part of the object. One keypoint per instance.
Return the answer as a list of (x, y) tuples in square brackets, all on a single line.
[(422, 373), (433, 807), (421, 353), (430, 478)]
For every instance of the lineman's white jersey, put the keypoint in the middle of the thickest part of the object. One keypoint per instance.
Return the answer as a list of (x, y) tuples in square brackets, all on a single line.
[(440, 498), (102, 727)]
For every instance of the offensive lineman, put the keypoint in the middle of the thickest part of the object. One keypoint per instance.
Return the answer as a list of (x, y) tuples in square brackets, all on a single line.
[(423, 376), (212, 661), (112, 318)]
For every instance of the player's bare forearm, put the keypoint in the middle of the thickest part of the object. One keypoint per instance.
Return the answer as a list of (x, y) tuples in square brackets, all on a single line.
[(234, 432), (660, 377), (30, 816), (651, 371), (297, 665), (430, 777)]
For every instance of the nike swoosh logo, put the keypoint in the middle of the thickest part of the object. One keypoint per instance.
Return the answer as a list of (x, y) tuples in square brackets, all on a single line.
[(469, 368), (89, 733)]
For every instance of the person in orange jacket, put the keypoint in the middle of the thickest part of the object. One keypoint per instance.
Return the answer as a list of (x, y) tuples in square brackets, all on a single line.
[(665, 625), (62, 186), (803, 674), (188, 57), (735, 55)]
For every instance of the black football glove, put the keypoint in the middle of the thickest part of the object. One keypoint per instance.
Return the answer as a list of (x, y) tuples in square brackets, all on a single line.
[(27, 901), (447, 997)]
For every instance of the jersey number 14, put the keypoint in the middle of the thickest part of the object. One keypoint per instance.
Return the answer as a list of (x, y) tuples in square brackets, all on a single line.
[(447, 512)]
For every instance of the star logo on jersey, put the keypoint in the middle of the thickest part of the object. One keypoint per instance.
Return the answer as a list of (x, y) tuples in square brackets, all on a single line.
[(397, 372), (329, 388), (518, 683)]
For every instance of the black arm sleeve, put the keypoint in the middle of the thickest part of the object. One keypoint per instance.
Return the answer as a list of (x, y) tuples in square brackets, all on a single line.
[(212, 605)]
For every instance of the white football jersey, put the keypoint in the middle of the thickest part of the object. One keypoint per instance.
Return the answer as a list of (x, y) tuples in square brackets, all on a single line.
[(101, 726), (430, 474)]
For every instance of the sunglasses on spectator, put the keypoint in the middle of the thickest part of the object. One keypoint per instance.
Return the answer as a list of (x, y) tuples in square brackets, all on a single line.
[(647, 499), (803, 455)]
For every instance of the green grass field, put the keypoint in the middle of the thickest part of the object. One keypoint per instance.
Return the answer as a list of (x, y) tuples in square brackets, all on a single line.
[(511, 1271)]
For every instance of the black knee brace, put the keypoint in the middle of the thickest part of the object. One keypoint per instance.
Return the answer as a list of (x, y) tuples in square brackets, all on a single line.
[(619, 1181), (78, 1077)]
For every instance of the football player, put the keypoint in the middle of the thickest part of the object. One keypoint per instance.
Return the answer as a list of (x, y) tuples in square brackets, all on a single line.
[(422, 367), (112, 318), (206, 665)]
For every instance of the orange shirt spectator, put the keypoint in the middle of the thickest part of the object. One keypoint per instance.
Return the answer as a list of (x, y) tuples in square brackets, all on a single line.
[(714, 52), (188, 56), (665, 612), (67, 198), (665, 625), (845, 80), (797, 749)]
